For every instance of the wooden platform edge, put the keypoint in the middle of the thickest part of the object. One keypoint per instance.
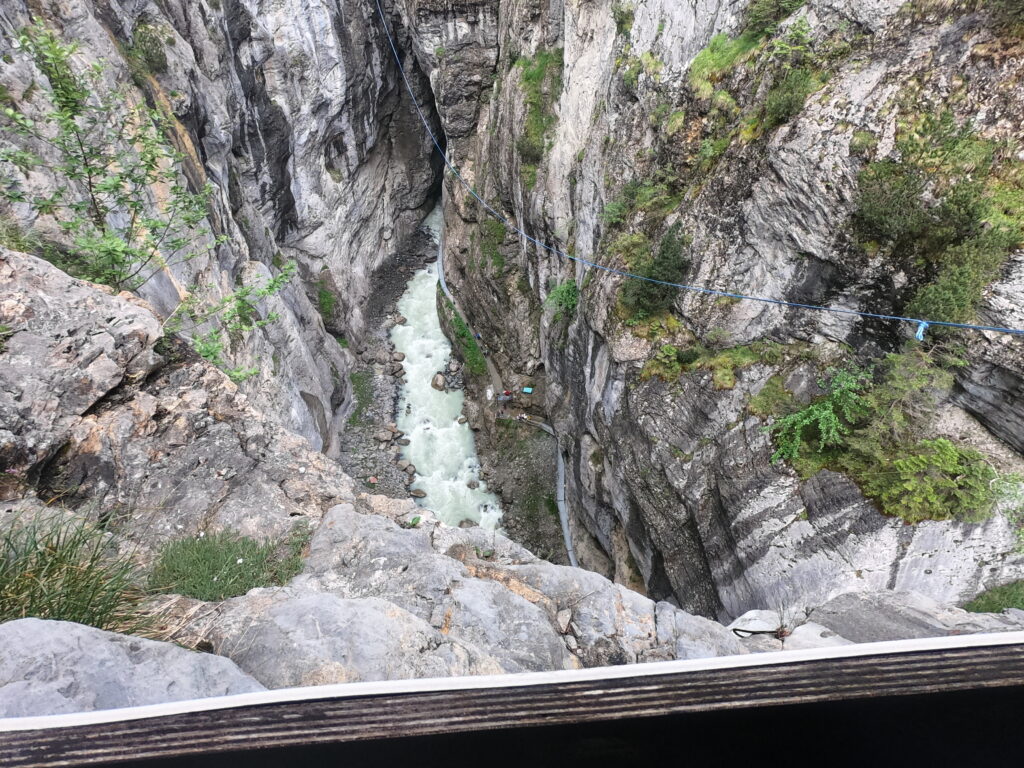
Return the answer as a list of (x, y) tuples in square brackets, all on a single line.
[(387, 710)]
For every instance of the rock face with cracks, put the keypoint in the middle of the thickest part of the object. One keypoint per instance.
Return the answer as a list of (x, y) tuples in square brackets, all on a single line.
[(670, 483)]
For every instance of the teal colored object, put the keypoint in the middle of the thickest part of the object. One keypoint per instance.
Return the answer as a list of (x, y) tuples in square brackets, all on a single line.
[(527, 390)]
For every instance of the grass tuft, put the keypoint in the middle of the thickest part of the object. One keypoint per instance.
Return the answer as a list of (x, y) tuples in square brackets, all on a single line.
[(223, 564), (65, 569)]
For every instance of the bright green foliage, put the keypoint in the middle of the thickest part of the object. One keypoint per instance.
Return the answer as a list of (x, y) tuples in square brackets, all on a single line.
[(826, 420), (654, 198), (110, 155), (111, 159), (712, 63), (722, 53), (542, 83), (723, 363), (873, 433), (66, 569), (492, 235), (676, 122), (862, 143), (998, 599), (362, 392), (325, 299), (665, 364), (564, 299), (6, 332), (224, 564), (935, 481), (473, 357), (643, 299), (709, 152)]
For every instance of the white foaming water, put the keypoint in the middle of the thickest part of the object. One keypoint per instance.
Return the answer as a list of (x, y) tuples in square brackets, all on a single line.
[(441, 448)]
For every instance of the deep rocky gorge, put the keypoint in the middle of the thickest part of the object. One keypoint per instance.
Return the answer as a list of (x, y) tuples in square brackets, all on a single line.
[(297, 115)]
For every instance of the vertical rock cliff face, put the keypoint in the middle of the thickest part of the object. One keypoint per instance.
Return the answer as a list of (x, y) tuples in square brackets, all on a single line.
[(292, 110), (590, 106)]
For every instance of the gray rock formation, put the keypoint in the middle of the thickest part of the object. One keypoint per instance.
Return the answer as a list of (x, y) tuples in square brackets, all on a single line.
[(55, 667), (874, 616), (681, 471), (292, 111), (92, 415)]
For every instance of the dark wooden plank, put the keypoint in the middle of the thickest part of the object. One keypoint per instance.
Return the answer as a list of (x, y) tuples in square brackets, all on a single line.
[(404, 715)]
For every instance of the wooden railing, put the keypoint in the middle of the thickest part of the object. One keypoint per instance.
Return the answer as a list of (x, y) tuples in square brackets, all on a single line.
[(379, 715)]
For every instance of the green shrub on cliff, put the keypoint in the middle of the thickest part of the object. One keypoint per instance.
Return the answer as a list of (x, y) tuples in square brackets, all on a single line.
[(222, 565), (564, 298), (120, 201), (642, 298), (950, 212), (871, 428), (66, 569), (541, 81)]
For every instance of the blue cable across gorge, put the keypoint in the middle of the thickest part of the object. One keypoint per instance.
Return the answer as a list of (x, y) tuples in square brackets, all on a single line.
[(922, 325)]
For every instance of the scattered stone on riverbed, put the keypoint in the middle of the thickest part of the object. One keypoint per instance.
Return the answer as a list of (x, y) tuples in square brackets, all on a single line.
[(418, 493), (411, 469), (403, 441), (400, 320), (398, 357), (463, 419)]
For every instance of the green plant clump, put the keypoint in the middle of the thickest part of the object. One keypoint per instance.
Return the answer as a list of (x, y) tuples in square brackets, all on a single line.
[(712, 63), (362, 391), (623, 15), (541, 83), (65, 569), (665, 364), (109, 157), (325, 299), (223, 564), (564, 298), (950, 212), (643, 299), (473, 357), (998, 599), (787, 96), (871, 428), (146, 54), (492, 235)]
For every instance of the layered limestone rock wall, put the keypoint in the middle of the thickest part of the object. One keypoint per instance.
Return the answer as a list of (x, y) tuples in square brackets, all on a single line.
[(292, 110), (681, 470)]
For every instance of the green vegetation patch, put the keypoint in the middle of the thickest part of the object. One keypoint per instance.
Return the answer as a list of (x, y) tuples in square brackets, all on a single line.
[(541, 83), (472, 355), (362, 391), (950, 212), (642, 299), (326, 301), (623, 15), (870, 425), (773, 399), (492, 235), (564, 298), (712, 63), (66, 569), (220, 565), (665, 364), (998, 599), (724, 363)]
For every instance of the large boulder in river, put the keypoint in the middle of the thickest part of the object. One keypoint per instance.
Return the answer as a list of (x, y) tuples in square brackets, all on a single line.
[(438, 382), (53, 667)]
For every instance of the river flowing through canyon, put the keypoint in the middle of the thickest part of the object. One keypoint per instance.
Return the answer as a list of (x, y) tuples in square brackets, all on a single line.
[(442, 449)]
